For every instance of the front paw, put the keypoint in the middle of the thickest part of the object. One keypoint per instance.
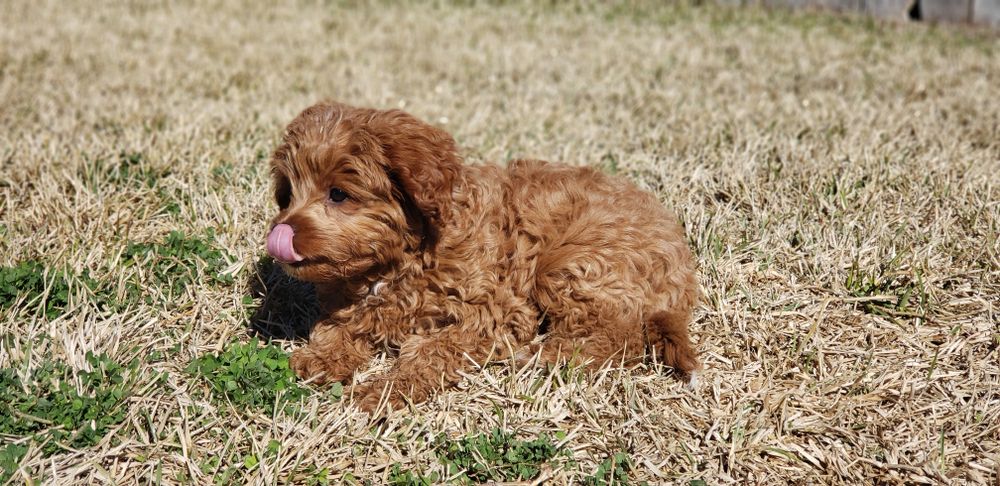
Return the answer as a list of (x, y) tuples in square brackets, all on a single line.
[(310, 365), (526, 355), (379, 396)]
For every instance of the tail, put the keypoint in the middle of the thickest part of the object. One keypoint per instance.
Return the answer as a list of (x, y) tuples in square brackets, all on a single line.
[(667, 337)]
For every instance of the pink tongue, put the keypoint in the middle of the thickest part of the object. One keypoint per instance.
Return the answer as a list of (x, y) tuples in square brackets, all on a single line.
[(279, 244)]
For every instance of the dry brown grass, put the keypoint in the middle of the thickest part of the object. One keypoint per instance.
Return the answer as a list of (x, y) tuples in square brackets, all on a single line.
[(809, 156)]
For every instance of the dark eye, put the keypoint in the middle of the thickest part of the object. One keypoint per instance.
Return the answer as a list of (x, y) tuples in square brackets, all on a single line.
[(337, 195)]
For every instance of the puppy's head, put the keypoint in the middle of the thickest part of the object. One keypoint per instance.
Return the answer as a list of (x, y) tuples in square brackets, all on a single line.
[(357, 189)]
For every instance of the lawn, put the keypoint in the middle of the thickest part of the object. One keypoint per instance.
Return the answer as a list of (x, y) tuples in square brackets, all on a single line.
[(839, 180)]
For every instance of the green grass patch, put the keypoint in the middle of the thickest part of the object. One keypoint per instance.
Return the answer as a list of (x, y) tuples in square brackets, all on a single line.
[(405, 477), (487, 457), (172, 265), (227, 174), (127, 169), (177, 262), (251, 376), (497, 456), (10, 460), (239, 461), (891, 290), (35, 283), (59, 409), (317, 476), (49, 290), (613, 470), (170, 201)]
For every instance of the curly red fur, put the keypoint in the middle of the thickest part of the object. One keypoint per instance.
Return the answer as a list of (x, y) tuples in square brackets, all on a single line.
[(453, 265)]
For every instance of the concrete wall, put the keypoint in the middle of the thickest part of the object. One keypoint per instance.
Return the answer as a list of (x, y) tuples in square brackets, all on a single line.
[(982, 12), (946, 10), (986, 12)]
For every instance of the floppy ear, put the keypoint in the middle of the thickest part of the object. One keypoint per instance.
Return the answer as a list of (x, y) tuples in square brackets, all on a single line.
[(422, 161)]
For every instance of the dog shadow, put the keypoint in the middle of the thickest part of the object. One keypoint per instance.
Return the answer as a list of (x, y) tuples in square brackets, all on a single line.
[(288, 307)]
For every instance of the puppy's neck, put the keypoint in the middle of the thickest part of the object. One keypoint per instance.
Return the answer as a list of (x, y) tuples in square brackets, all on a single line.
[(362, 289), (373, 287), (376, 287)]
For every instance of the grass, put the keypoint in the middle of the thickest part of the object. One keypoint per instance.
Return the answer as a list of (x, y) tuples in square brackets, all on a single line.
[(613, 470), (161, 271), (496, 456), (126, 169), (30, 281), (178, 261), (838, 179), (887, 289), (54, 411), (252, 376)]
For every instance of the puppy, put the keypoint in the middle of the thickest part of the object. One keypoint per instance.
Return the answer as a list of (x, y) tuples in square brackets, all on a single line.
[(453, 266)]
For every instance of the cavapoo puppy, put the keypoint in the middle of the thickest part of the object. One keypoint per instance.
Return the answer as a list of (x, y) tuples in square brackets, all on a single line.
[(454, 265)]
